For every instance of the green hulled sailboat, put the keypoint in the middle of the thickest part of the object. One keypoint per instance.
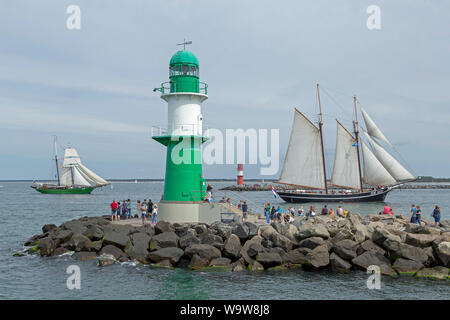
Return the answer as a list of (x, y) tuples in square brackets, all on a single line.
[(73, 178)]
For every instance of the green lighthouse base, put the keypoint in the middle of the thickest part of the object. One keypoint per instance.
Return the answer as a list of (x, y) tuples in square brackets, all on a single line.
[(189, 212)]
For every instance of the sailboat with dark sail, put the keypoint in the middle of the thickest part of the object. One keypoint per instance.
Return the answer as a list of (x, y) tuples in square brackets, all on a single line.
[(73, 176), (353, 179)]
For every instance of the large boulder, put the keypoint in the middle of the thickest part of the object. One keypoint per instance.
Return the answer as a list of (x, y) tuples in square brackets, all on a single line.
[(232, 247), (173, 254), (289, 231), (318, 257), (78, 242), (421, 229), (370, 258), (84, 255), (437, 272), (76, 226), (267, 231), (48, 227), (93, 232), (204, 251), (47, 246), (420, 240), (281, 241), (361, 233), (106, 260), (137, 247), (369, 245), (113, 251), (346, 249), (198, 262), (406, 266), (338, 264), (164, 240), (380, 235), (188, 239), (269, 259), (254, 249), (163, 226), (146, 228), (248, 260), (342, 235), (242, 231), (62, 235), (296, 256), (220, 262), (311, 243), (222, 229), (252, 229), (116, 236), (397, 250), (212, 239), (442, 252), (307, 231)]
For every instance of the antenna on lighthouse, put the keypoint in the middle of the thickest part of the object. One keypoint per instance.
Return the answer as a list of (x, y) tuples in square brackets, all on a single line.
[(184, 44)]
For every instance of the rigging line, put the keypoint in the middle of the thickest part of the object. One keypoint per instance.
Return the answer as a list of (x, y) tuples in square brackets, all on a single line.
[(396, 151), (345, 113)]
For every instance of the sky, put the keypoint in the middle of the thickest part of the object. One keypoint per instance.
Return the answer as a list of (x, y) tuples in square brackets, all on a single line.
[(93, 87)]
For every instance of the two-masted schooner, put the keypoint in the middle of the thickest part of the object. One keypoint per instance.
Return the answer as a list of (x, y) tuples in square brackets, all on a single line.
[(352, 179), (73, 176)]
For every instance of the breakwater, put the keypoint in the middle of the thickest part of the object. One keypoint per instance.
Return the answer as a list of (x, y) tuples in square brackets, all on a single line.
[(258, 187), (339, 245)]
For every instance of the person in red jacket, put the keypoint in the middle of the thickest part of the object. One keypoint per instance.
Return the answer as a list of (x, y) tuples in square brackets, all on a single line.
[(114, 207)]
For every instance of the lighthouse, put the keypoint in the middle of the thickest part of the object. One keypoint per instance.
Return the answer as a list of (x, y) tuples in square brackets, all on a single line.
[(184, 185)]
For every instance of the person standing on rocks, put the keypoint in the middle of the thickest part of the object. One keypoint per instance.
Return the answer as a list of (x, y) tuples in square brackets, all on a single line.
[(155, 214), (113, 206), (149, 209), (436, 215), (413, 214), (340, 211), (418, 216), (129, 208), (273, 211), (244, 212), (119, 208), (209, 190), (144, 212)]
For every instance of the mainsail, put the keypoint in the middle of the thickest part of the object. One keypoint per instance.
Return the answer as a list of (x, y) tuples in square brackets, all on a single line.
[(303, 165), (397, 171), (345, 169), (374, 172), (75, 173), (372, 128)]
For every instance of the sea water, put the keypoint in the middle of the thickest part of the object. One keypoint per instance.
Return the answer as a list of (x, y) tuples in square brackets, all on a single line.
[(23, 212)]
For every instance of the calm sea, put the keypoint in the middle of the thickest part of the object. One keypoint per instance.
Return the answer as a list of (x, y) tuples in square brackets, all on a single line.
[(23, 211)]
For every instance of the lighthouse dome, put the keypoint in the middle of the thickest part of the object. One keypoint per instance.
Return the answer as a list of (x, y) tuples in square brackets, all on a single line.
[(184, 57)]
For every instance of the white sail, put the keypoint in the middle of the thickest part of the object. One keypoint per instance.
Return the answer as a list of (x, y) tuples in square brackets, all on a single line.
[(397, 171), (372, 128), (73, 172), (303, 164), (374, 172), (345, 169)]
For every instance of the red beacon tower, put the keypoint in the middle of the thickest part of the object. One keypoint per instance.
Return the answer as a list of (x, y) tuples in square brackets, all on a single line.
[(240, 174)]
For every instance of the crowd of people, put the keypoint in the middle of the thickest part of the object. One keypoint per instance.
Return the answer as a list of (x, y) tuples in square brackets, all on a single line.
[(147, 210), (416, 215)]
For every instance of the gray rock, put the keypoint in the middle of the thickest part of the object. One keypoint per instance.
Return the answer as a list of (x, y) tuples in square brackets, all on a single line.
[(113, 251), (242, 231), (208, 238), (59, 251), (256, 266), (164, 240), (342, 235), (369, 245), (407, 267), (442, 252), (402, 250), (370, 258), (187, 240), (437, 272), (46, 246), (296, 257), (269, 259), (78, 242), (48, 227), (116, 236), (62, 235), (338, 264), (173, 254), (200, 228), (318, 257), (220, 262), (93, 232), (204, 251), (147, 228), (232, 247), (281, 241), (307, 231), (311, 243), (75, 226), (198, 262), (289, 231), (252, 229), (106, 260), (84, 255), (346, 249), (361, 233), (163, 226), (137, 247), (420, 240), (380, 235), (254, 249)]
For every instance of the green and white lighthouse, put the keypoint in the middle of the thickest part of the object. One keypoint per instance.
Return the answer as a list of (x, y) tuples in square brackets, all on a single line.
[(184, 184)]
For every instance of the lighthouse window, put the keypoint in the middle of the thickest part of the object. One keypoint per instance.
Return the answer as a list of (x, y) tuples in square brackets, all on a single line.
[(171, 71), (193, 71), (185, 70)]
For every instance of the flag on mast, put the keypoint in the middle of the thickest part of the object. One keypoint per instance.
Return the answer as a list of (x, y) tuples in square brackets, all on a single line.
[(275, 194)]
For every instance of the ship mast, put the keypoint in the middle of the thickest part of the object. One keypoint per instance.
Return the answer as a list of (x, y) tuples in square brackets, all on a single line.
[(56, 160), (321, 141), (355, 128)]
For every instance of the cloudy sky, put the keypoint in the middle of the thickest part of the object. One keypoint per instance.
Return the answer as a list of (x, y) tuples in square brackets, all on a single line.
[(93, 87)]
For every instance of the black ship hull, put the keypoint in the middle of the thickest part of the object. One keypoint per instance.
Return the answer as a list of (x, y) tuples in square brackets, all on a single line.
[(302, 197)]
